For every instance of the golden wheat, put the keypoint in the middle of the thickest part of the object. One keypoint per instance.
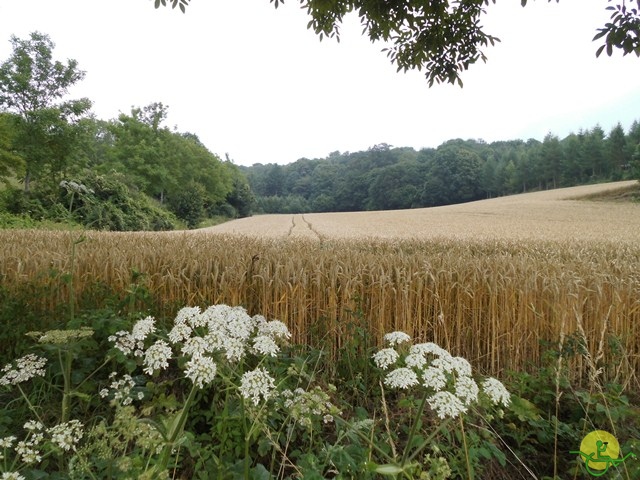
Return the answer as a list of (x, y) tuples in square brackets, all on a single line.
[(494, 302)]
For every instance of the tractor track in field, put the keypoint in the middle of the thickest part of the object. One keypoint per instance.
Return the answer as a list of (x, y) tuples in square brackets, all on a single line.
[(303, 228)]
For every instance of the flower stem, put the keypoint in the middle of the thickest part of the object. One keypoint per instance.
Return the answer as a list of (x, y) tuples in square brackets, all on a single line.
[(414, 427)]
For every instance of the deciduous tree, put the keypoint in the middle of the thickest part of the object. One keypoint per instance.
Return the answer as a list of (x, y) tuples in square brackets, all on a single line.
[(443, 37), (33, 85)]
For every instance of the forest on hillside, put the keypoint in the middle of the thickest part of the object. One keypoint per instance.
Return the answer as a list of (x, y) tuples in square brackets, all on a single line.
[(61, 164), (388, 178)]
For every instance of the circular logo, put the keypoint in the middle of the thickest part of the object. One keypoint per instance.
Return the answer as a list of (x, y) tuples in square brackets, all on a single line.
[(600, 448)]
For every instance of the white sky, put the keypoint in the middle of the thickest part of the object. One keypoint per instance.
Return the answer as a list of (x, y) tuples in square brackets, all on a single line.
[(253, 82)]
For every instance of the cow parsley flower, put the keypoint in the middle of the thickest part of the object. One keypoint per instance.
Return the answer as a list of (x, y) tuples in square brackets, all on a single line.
[(25, 369), (274, 328), (446, 404), (401, 378), (142, 328), (255, 384), (496, 391), (461, 366), (157, 357), (305, 406), (7, 442), (33, 426), (415, 360), (466, 389), (385, 358), (195, 346), (427, 348), (265, 345), (126, 343), (239, 324), (61, 337), (444, 362), (67, 435), (201, 370), (190, 316), (397, 338), (234, 349), (28, 449), (121, 389), (180, 332), (11, 476), (434, 377)]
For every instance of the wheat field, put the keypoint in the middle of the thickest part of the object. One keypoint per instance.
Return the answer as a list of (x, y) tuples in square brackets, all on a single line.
[(545, 215), (498, 281)]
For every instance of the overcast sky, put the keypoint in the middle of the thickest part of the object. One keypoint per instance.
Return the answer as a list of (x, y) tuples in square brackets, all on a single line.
[(253, 82)]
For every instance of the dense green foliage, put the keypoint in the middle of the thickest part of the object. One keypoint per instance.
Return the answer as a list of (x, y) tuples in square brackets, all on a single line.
[(129, 173), (386, 178)]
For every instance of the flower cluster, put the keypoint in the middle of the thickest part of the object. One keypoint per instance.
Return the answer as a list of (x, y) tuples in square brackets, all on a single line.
[(431, 366), (11, 476), (64, 436), (255, 384), (61, 337), (120, 390), (304, 406), (204, 338), (25, 369)]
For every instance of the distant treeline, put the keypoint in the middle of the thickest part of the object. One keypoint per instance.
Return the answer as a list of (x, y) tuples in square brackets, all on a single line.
[(387, 178)]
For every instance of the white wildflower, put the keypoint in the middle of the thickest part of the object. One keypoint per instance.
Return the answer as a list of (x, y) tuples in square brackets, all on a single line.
[(28, 452), (446, 404), (462, 366), (142, 328), (190, 316), (67, 435), (234, 349), (434, 377), (11, 476), (7, 442), (415, 360), (157, 357), (428, 348), (180, 332), (255, 384), (496, 391), (26, 368), (239, 324), (444, 362), (385, 358), (121, 389), (401, 378), (274, 328), (466, 389), (61, 337), (201, 370), (196, 346), (33, 426), (124, 342), (265, 345), (396, 338)]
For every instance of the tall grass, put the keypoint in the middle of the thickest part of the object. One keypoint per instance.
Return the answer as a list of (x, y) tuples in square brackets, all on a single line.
[(496, 303)]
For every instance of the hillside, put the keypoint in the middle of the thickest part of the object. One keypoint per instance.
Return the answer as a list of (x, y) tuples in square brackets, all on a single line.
[(545, 215)]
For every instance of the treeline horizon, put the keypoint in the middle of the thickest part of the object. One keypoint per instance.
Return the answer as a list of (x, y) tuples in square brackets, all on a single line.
[(389, 178)]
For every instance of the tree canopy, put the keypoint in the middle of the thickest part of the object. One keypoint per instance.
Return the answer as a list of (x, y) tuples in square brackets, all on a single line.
[(441, 37)]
